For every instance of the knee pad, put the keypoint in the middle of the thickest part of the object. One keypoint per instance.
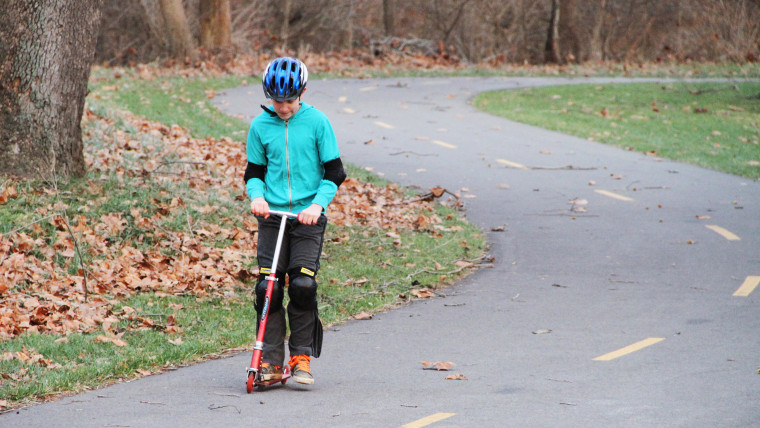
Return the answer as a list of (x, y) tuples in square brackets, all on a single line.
[(303, 291), (277, 294)]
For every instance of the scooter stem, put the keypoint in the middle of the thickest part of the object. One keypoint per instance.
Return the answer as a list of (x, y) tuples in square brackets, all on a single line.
[(271, 279)]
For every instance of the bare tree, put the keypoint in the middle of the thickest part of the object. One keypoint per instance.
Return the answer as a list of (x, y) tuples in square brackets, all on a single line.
[(215, 28), (180, 40), (389, 17), (285, 34), (596, 43), (551, 51), (45, 60)]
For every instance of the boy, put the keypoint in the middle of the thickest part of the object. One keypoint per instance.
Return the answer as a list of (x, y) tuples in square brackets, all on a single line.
[(293, 165)]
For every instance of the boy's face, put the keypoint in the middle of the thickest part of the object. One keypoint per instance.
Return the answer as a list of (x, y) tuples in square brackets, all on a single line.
[(286, 109)]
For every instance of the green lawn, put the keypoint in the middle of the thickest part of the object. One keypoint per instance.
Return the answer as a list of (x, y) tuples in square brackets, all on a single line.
[(713, 125)]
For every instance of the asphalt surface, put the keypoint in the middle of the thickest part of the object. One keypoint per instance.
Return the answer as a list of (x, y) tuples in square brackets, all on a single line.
[(621, 294)]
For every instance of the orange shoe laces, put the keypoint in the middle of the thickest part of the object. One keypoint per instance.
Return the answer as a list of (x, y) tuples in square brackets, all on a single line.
[(301, 362)]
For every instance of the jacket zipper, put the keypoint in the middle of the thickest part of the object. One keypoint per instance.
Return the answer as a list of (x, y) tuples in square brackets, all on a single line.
[(287, 167)]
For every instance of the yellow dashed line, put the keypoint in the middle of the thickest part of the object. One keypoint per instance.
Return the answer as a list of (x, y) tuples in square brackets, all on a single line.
[(748, 286), (428, 420), (723, 232), (442, 144), (342, 99), (368, 88), (512, 164), (349, 110), (630, 349), (384, 125), (614, 195)]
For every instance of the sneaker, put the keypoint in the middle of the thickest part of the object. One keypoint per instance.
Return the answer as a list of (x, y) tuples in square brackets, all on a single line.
[(270, 372), (299, 367)]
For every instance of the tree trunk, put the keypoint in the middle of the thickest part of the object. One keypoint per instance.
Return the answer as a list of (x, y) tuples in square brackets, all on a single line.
[(389, 13), (45, 57), (597, 44), (155, 20), (215, 23), (568, 30), (551, 51), (178, 30), (285, 26)]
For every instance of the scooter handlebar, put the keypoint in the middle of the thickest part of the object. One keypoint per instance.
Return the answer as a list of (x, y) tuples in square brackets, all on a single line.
[(283, 213)]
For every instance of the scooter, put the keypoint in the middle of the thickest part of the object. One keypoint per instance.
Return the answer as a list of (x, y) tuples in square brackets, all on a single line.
[(254, 372)]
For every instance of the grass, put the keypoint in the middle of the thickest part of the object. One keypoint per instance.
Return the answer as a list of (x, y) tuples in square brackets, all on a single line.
[(712, 125), (208, 327), (172, 100), (352, 279), (605, 69)]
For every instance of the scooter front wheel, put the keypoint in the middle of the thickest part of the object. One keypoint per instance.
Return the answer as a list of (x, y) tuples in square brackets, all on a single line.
[(249, 383)]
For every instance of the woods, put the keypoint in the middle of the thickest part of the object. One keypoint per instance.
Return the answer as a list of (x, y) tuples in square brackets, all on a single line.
[(45, 67), (471, 31)]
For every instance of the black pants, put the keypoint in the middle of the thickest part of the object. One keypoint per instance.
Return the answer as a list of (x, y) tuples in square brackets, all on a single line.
[(301, 248)]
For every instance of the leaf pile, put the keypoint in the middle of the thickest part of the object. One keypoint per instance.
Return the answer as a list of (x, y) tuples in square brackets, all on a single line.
[(354, 63), (363, 63), (45, 287)]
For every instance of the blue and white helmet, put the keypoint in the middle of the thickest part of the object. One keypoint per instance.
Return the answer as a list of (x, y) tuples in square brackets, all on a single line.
[(284, 79)]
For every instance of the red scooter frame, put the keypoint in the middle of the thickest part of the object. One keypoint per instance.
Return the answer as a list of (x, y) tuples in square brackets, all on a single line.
[(254, 372)]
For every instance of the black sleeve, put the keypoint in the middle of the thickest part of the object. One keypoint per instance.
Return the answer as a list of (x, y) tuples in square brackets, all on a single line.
[(254, 171), (334, 171)]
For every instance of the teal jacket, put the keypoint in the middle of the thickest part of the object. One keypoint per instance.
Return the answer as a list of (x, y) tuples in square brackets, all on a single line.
[(294, 153)]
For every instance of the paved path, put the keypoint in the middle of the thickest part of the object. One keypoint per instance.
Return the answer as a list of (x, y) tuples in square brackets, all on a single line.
[(634, 313)]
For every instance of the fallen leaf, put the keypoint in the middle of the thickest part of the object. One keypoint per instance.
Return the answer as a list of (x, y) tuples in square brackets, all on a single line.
[(542, 331), (458, 376), (422, 293), (437, 365), (363, 316), (437, 191), (177, 341), (115, 340)]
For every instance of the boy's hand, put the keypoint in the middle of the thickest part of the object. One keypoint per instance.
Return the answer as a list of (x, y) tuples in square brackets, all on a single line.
[(310, 215), (260, 207)]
